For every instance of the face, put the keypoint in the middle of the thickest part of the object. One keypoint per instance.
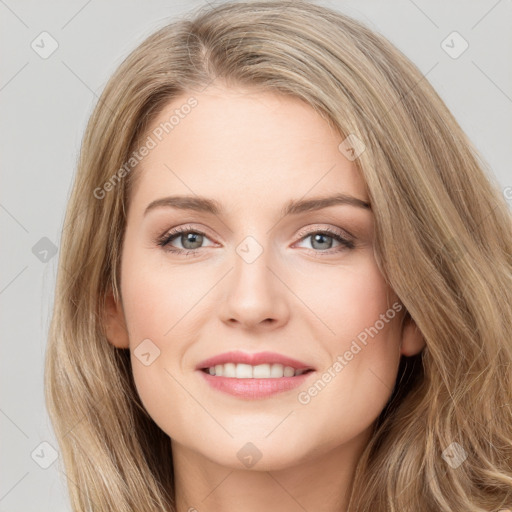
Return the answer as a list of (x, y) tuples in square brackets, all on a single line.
[(228, 270)]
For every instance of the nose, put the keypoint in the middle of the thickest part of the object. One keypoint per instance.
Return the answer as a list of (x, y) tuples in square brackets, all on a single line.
[(255, 296)]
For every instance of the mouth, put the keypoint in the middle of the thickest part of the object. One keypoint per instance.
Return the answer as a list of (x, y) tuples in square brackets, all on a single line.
[(254, 376), (261, 365), (261, 371)]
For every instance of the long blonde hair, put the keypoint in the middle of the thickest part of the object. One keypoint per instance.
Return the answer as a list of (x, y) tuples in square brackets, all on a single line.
[(443, 242)]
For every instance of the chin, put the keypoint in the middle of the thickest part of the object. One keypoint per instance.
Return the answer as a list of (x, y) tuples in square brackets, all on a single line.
[(256, 455)]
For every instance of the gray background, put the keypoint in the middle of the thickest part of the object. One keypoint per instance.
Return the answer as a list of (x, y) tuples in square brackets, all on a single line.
[(45, 103)]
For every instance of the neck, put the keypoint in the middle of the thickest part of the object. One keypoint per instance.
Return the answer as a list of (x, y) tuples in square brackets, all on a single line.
[(322, 482)]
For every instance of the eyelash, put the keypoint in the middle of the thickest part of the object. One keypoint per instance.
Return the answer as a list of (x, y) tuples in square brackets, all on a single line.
[(165, 240)]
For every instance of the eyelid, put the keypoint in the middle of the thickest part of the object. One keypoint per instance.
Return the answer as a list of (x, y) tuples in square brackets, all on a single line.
[(345, 238), (314, 228), (184, 228)]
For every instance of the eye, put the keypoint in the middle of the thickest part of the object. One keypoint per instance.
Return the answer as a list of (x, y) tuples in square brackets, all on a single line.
[(189, 239), (323, 240)]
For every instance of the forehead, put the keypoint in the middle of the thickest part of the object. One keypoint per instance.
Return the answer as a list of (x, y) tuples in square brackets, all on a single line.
[(244, 146)]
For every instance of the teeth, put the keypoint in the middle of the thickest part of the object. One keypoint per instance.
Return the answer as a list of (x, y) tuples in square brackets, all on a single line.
[(243, 371), (246, 371)]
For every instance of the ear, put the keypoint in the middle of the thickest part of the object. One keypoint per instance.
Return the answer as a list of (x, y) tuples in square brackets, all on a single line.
[(114, 322), (412, 339)]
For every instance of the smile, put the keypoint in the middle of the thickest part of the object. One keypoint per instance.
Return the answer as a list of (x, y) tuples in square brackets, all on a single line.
[(253, 376), (247, 371)]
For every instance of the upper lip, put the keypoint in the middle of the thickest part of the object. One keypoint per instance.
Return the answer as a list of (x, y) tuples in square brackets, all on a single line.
[(253, 359)]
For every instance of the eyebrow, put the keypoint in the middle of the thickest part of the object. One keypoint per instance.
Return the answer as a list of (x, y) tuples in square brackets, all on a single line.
[(293, 207)]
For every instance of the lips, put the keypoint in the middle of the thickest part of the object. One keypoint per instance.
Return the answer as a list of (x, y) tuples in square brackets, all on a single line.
[(260, 358), (254, 376)]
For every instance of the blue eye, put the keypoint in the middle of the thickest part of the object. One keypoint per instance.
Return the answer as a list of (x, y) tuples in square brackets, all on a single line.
[(192, 240), (186, 236), (322, 238)]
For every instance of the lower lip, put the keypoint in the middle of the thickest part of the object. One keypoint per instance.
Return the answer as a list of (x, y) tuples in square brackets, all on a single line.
[(254, 388)]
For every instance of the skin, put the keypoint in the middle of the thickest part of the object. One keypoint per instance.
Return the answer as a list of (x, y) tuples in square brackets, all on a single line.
[(254, 151)]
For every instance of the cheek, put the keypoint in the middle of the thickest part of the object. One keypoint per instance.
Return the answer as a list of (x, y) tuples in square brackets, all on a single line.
[(157, 300), (346, 300), (359, 330), (157, 304)]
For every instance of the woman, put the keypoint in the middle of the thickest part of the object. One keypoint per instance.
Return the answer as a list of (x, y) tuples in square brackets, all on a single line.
[(208, 352)]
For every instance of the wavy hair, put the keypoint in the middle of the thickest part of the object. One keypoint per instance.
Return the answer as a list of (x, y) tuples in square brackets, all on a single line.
[(443, 242)]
